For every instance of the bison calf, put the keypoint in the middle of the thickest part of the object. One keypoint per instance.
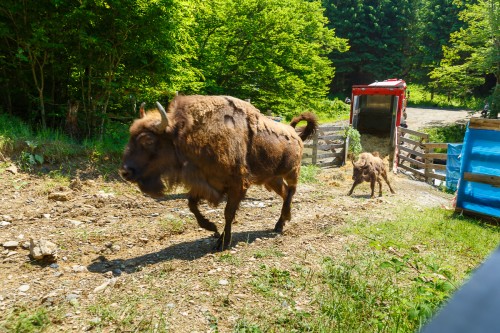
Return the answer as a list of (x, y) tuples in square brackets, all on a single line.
[(369, 168)]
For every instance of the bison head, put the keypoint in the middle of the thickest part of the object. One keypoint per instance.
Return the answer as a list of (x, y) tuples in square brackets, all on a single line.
[(360, 170), (149, 154)]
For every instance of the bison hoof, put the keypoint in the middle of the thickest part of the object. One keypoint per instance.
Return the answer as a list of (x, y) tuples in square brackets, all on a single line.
[(222, 244), (278, 229)]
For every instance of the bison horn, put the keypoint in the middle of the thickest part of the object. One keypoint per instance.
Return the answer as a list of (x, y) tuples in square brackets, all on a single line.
[(142, 113), (164, 122)]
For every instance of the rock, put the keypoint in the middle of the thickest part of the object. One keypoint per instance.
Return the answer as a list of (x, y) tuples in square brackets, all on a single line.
[(41, 248), (76, 184), (12, 169), (76, 223), (223, 282), (4, 223), (79, 269), (7, 218), (60, 196), (10, 244), (23, 288)]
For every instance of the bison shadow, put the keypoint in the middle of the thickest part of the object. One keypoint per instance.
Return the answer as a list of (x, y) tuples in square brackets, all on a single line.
[(187, 251)]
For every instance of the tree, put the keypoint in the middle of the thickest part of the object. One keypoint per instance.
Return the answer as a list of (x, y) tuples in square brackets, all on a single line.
[(273, 52), (378, 33), (473, 52)]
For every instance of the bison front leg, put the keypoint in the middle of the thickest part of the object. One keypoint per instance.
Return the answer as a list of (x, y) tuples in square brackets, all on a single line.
[(356, 183), (373, 179), (234, 198), (202, 221)]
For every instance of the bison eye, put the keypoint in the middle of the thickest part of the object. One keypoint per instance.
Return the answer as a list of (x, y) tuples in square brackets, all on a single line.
[(146, 140)]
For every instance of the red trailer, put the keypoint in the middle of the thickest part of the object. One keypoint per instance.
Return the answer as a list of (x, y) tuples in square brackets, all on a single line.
[(379, 108)]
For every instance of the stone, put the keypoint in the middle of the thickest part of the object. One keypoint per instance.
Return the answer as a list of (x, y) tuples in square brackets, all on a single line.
[(41, 248), (60, 196), (10, 244), (24, 287)]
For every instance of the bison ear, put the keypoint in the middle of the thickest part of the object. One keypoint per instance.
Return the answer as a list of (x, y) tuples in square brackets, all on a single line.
[(142, 113), (164, 121)]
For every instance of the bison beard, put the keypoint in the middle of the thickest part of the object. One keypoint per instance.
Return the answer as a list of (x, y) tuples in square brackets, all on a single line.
[(370, 168), (215, 146)]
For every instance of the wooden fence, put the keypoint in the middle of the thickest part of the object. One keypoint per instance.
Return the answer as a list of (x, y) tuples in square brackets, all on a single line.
[(419, 155), (328, 147)]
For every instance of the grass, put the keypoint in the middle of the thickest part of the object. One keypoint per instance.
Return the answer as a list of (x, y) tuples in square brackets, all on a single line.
[(420, 96), (392, 281)]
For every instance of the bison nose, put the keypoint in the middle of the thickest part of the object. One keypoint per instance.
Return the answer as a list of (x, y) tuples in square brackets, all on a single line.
[(127, 172)]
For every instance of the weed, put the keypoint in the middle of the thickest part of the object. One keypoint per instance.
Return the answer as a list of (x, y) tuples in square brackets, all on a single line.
[(22, 320), (172, 225), (309, 174)]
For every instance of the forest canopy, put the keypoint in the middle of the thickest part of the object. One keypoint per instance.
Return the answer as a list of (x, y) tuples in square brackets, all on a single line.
[(96, 60)]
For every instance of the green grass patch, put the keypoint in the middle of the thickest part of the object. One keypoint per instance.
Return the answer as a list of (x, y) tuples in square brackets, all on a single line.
[(24, 321), (393, 280), (309, 173)]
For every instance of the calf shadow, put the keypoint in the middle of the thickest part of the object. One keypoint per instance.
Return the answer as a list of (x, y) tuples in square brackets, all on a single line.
[(187, 251)]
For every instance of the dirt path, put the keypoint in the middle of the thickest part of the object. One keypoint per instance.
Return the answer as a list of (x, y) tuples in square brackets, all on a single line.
[(419, 118)]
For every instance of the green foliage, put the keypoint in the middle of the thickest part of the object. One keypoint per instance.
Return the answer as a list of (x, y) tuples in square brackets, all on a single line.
[(450, 134), (273, 52), (473, 50), (30, 158), (23, 321), (329, 110), (354, 137), (378, 33), (309, 174), (424, 96)]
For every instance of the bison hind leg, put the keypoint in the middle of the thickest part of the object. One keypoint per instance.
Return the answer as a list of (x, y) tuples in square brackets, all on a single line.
[(278, 185)]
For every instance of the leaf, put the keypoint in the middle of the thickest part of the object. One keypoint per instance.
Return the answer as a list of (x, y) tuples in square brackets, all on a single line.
[(39, 159)]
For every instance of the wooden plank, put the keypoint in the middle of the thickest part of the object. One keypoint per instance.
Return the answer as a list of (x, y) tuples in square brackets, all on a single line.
[(435, 166), (440, 156), (435, 145), (412, 170), (328, 155), (331, 128), (331, 137), (436, 176), (485, 124), (412, 161), (412, 142), (482, 178), (409, 150), (325, 147), (412, 132)]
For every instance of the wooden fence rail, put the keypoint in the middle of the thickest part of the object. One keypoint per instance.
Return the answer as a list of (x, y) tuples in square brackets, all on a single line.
[(419, 155), (328, 147)]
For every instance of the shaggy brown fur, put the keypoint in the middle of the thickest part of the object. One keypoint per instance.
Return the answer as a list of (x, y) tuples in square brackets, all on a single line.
[(369, 167), (216, 146)]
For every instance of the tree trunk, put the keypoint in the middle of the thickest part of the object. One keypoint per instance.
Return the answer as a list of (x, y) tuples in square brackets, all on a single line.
[(71, 126)]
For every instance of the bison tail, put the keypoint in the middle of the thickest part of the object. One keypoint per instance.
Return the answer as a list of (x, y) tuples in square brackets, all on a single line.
[(312, 125)]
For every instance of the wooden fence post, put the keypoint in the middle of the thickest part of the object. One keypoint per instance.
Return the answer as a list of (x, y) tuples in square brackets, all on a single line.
[(315, 148)]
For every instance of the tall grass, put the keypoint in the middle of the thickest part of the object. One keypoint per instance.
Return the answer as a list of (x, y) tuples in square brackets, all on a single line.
[(52, 146)]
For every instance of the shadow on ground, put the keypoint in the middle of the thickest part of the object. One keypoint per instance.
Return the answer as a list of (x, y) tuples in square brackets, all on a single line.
[(188, 251)]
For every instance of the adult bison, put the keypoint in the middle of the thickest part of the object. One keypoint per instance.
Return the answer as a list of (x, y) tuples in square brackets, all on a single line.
[(215, 146)]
